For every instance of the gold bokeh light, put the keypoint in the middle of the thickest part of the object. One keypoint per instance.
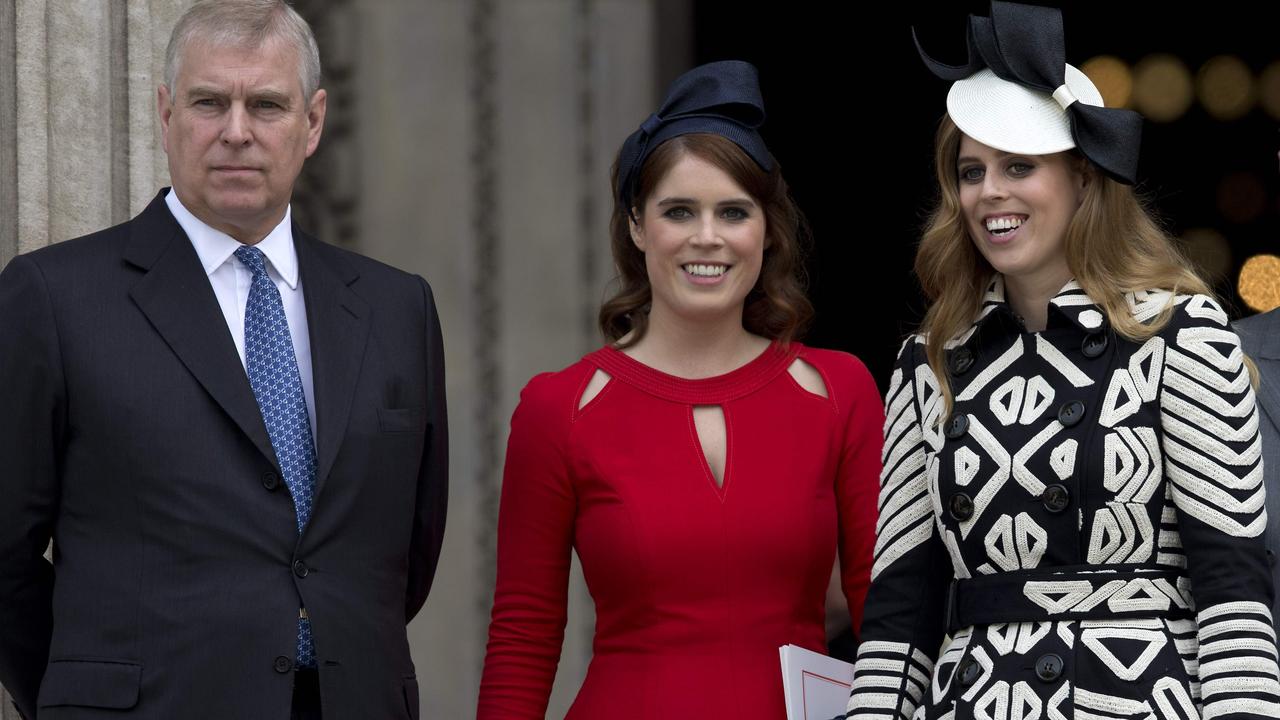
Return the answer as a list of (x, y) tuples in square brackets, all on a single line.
[(1113, 78), (1225, 87), (1162, 88), (1259, 282)]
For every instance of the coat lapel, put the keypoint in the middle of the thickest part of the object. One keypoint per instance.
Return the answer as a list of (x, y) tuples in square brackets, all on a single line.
[(338, 322), (175, 295)]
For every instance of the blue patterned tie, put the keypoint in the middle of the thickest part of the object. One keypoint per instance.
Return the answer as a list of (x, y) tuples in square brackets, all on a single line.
[(273, 375)]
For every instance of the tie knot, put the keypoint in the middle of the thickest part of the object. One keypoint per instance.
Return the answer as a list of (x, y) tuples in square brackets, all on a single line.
[(253, 259)]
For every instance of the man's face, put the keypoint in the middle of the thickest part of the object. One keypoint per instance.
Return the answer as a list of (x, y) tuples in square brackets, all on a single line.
[(237, 129)]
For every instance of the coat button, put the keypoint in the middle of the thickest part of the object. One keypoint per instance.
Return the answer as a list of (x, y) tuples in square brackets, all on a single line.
[(300, 569), (961, 360), (1056, 498), (957, 426), (961, 506), (270, 481), (1071, 413), (969, 671), (1049, 667), (283, 664), (1094, 345)]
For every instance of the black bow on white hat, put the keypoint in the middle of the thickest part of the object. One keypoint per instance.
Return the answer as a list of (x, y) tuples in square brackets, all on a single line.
[(1017, 93)]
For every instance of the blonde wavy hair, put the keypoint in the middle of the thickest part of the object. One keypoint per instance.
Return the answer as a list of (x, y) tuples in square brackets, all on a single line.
[(1113, 247)]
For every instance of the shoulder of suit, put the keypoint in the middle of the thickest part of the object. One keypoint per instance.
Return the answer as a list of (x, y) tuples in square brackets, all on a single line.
[(1259, 331), (99, 246), (1257, 324), (360, 263)]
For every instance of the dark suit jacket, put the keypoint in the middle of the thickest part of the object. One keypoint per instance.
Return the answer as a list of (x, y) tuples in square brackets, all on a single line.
[(129, 434), (1260, 338)]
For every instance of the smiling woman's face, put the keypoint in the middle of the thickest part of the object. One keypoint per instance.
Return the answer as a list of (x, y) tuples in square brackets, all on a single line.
[(703, 239), (1017, 208)]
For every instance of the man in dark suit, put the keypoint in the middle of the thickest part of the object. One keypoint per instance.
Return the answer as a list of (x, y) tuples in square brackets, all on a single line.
[(1260, 339), (233, 434)]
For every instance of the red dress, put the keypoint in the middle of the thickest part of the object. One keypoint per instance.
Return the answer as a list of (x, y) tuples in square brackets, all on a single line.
[(695, 585)]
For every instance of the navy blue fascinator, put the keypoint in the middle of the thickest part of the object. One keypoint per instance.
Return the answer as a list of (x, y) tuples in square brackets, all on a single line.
[(722, 98)]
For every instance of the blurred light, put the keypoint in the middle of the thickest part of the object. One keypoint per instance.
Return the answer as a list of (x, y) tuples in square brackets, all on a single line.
[(1207, 249), (1113, 78), (1241, 197), (1259, 282), (1269, 89), (1162, 87), (1225, 87)]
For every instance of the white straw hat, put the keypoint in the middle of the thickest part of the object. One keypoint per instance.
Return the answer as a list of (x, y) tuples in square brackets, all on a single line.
[(1017, 119)]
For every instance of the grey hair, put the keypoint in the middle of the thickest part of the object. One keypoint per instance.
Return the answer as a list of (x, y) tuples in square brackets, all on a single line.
[(248, 24)]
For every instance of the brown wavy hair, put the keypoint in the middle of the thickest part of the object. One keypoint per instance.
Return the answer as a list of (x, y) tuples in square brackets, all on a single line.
[(776, 307), (1113, 246)]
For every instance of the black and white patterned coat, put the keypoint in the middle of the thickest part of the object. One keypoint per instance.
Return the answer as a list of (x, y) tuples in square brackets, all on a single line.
[(1100, 502)]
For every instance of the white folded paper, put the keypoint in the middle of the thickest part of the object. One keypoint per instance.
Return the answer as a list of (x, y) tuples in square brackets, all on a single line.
[(816, 686)]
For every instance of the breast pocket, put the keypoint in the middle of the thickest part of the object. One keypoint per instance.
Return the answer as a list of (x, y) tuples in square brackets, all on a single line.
[(402, 420)]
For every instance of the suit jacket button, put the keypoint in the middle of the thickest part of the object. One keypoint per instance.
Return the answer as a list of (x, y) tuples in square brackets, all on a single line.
[(270, 481), (1055, 498), (1071, 413), (961, 507), (957, 426), (1049, 667), (283, 664), (300, 569), (1094, 344)]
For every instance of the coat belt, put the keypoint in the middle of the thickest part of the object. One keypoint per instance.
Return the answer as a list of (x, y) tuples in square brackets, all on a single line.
[(1079, 592)]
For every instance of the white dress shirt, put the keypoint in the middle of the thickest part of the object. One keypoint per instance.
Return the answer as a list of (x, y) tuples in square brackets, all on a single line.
[(231, 280)]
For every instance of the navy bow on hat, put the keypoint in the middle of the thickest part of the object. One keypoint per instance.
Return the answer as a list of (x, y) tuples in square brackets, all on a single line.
[(1024, 44), (722, 98)]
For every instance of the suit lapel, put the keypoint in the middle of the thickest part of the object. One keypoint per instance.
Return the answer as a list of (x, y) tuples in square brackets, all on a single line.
[(177, 299), (338, 322)]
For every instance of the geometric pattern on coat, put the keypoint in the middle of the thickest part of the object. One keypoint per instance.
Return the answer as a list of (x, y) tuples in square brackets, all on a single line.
[(1115, 485)]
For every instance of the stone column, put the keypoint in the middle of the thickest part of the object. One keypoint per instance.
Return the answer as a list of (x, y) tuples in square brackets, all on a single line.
[(79, 142), (487, 130)]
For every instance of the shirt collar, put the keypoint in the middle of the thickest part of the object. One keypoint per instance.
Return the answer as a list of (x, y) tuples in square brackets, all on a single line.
[(215, 247)]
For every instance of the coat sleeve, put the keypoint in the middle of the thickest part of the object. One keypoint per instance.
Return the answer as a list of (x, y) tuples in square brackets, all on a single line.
[(433, 470), (1213, 464), (902, 627), (32, 428)]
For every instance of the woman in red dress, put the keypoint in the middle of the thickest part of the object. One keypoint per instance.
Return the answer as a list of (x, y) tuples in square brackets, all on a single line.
[(704, 464)]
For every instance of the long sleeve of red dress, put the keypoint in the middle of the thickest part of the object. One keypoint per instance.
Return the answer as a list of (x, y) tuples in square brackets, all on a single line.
[(696, 584)]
